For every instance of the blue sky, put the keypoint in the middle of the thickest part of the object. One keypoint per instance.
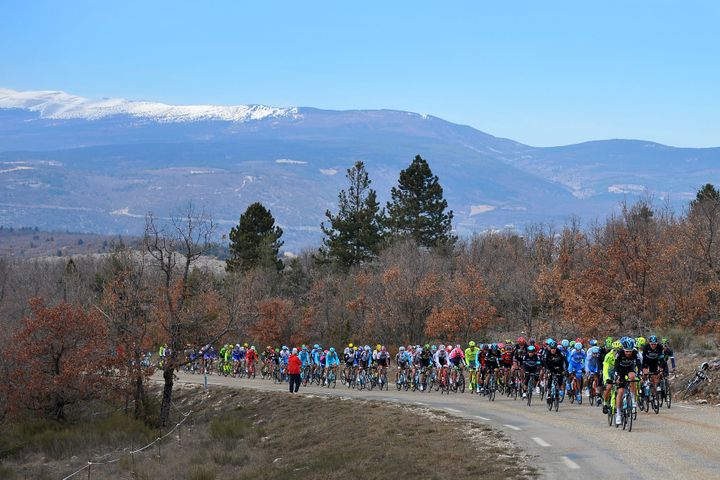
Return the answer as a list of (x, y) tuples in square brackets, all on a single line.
[(540, 72)]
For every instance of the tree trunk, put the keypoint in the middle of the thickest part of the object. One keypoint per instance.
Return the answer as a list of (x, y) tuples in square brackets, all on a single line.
[(139, 395), (168, 375)]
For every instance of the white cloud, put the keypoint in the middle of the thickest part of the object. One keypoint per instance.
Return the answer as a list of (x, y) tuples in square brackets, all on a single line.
[(627, 188), (328, 171), (287, 161), (478, 209)]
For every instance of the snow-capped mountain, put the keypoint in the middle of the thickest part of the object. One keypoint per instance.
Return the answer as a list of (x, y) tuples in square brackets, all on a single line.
[(72, 163), (61, 105)]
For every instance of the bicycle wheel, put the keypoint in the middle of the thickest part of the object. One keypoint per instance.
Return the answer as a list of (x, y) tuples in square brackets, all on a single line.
[(531, 387), (668, 396), (557, 402), (461, 383), (656, 403), (550, 404)]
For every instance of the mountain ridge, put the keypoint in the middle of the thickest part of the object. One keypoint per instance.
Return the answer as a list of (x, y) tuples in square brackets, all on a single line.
[(103, 174)]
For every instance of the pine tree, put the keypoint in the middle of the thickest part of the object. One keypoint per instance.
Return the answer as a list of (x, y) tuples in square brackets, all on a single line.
[(417, 208), (355, 233), (707, 192), (255, 242)]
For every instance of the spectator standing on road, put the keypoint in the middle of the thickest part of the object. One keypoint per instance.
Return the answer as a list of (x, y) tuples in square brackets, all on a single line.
[(294, 366)]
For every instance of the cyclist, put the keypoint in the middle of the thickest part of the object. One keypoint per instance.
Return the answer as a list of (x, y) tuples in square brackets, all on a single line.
[(424, 360), (306, 360), (349, 358), (668, 354), (518, 354), (402, 360), (457, 360), (531, 365), (627, 363), (593, 367), (653, 355), (492, 364), (576, 367), (507, 356), (441, 362), (383, 361), (236, 358), (555, 366), (609, 372), (250, 359), (471, 359), (316, 354), (331, 363)]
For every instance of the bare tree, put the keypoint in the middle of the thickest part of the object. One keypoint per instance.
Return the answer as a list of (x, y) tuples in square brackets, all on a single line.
[(176, 246)]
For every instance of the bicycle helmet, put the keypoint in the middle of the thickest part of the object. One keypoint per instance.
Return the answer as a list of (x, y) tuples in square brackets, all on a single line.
[(593, 342), (616, 345), (595, 350), (551, 343), (433, 348), (578, 346), (628, 344), (494, 346), (531, 341), (652, 339), (441, 347), (332, 349), (253, 348), (579, 340), (245, 345), (704, 366), (521, 340), (565, 343), (377, 347), (350, 345), (427, 346), (237, 345), (471, 344), (640, 341), (531, 348), (402, 349), (485, 346)]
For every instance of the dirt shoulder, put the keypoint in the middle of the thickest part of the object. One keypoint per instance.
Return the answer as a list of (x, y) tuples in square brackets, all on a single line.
[(246, 433)]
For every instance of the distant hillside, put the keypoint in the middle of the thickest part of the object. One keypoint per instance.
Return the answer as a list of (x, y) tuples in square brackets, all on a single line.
[(78, 164)]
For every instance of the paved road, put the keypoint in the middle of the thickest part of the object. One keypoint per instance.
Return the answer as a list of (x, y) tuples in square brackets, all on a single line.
[(678, 443)]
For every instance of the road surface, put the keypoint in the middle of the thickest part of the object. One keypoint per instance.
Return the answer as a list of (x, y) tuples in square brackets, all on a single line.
[(682, 442)]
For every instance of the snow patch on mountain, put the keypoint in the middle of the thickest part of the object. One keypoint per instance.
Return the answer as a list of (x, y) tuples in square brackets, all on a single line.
[(61, 105)]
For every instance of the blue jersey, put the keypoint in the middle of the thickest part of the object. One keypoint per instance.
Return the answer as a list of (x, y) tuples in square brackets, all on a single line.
[(593, 364), (332, 359), (316, 354), (576, 360), (305, 358)]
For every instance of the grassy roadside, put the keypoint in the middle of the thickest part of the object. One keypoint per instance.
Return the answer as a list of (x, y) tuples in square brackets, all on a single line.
[(243, 434)]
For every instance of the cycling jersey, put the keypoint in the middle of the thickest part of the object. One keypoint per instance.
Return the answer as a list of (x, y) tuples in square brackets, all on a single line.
[(609, 366), (402, 359), (441, 358), (492, 359), (457, 357), (425, 358), (471, 356), (236, 355), (625, 364), (349, 357), (519, 353), (652, 358), (592, 363), (315, 354), (251, 356), (556, 362), (668, 354), (332, 359), (305, 358), (576, 361), (506, 359), (531, 364), (383, 359)]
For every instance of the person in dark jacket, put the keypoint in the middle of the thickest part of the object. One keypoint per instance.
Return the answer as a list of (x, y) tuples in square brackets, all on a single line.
[(294, 366)]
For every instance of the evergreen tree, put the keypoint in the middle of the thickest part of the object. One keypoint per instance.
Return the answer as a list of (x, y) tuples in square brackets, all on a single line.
[(355, 233), (418, 209), (255, 242), (707, 192)]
